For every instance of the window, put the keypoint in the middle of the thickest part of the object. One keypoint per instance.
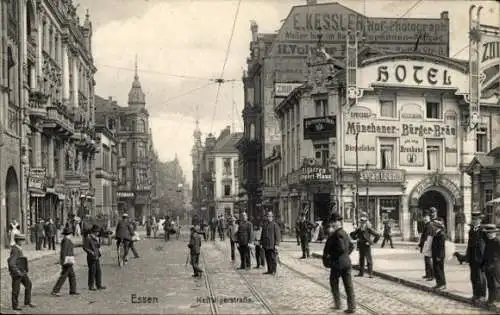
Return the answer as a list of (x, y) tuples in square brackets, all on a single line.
[(252, 131), (124, 149), (141, 149), (227, 190), (211, 166), (386, 156), (322, 153), (433, 109), (481, 139), (57, 163), (488, 196), (141, 126), (433, 158), (387, 108), (227, 167), (12, 120), (122, 175), (321, 107)]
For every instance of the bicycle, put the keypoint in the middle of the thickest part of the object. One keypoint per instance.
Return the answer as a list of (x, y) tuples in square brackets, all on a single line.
[(121, 253)]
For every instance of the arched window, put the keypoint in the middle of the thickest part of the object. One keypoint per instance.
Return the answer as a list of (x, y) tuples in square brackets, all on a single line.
[(252, 131), (141, 149), (141, 126)]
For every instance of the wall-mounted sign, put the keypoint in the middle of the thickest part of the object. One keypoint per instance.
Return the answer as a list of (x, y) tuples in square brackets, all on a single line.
[(320, 127), (125, 194), (37, 177), (451, 143), (377, 176), (284, 89), (413, 73), (360, 120), (489, 67), (315, 173)]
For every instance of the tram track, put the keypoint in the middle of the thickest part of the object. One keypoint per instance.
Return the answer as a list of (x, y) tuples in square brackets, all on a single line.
[(214, 308)]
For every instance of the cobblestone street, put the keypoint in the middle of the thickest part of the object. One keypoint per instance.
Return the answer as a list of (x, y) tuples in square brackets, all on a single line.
[(300, 287)]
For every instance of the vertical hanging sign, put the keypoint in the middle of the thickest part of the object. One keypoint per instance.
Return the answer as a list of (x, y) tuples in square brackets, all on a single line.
[(489, 62), (474, 82), (352, 90)]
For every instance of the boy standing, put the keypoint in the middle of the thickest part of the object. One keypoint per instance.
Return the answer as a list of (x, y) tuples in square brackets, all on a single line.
[(195, 250)]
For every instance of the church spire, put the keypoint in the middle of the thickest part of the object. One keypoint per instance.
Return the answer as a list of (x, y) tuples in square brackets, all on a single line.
[(197, 132), (136, 96)]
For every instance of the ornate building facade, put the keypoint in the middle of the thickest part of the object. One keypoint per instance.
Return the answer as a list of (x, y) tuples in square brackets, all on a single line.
[(196, 188)]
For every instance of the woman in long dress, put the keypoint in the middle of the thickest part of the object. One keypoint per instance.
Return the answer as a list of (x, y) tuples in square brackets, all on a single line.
[(14, 230)]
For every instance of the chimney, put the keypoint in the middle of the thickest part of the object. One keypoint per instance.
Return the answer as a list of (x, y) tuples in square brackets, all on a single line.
[(255, 29), (210, 142), (444, 15), (312, 2)]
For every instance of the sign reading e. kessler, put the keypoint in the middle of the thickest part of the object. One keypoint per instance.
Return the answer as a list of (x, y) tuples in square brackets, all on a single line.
[(489, 57)]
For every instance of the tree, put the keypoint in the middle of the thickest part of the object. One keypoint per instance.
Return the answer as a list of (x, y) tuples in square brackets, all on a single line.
[(172, 199)]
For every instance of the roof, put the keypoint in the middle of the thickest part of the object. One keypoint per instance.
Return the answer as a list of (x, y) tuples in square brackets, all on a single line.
[(228, 143)]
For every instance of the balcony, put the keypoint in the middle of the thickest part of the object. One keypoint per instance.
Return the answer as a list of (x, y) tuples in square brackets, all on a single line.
[(38, 104), (85, 138), (58, 121)]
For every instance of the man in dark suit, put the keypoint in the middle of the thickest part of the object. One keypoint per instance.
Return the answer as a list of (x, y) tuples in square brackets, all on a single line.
[(123, 234), (231, 232), (363, 235), (270, 241), (18, 269), (50, 232), (195, 250), (66, 265), (426, 233), (304, 230), (39, 234), (387, 234), (92, 247), (491, 262), (244, 237), (438, 251), (336, 253), (474, 255)]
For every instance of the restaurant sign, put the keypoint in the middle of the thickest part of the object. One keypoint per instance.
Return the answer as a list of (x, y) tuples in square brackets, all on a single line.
[(284, 89), (377, 176), (320, 127), (315, 173), (37, 178), (125, 194)]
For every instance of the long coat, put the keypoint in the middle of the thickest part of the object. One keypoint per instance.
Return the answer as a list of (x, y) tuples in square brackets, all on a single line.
[(67, 248), (475, 246), (124, 230), (244, 233), (16, 268), (92, 247), (337, 249), (438, 245), (271, 235)]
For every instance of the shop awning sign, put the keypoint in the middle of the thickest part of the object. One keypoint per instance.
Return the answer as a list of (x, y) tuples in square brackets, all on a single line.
[(37, 178)]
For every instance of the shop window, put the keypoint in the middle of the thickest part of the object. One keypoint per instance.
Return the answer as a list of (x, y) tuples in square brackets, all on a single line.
[(388, 108), (433, 158), (227, 167), (433, 109), (386, 156), (322, 153), (481, 140), (321, 107), (124, 149), (489, 210), (227, 190)]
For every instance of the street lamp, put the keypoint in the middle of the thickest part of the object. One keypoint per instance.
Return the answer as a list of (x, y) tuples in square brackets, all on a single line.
[(357, 179), (367, 189)]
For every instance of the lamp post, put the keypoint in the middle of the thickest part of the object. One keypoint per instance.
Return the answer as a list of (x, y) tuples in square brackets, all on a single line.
[(367, 190), (357, 179)]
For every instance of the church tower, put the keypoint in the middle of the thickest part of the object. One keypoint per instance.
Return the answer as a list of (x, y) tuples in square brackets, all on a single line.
[(136, 97), (196, 155)]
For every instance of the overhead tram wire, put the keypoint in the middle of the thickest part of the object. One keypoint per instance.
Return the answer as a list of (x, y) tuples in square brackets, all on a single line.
[(221, 80), (458, 52), (187, 93), (159, 73)]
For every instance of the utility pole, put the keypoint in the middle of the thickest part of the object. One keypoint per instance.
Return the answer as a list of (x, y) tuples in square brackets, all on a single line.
[(357, 179), (367, 190)]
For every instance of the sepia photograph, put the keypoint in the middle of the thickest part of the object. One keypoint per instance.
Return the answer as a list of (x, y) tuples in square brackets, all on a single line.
[(250, 157)]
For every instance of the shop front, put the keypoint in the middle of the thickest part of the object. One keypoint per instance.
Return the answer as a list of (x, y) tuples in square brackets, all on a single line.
[(36, 191), (125, 202)]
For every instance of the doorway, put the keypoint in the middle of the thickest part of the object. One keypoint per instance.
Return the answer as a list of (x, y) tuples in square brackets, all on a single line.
[(12, 196), (321, 207), (433, 198)]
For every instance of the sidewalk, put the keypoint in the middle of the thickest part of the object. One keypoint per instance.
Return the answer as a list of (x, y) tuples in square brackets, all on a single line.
[(406, 266)]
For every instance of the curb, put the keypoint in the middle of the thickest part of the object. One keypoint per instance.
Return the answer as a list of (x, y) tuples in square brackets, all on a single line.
[(422, 287)]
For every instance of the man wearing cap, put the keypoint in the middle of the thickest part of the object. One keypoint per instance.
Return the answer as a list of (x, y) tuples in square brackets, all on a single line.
[(270, 241), (124, 234), (304, 230), (18, 269), (244, 238), (363, 235), (92, 247), (474, 255), (66, 259), (336, 253), (424, 243), (491, 262), (438, 251), (231, 231)]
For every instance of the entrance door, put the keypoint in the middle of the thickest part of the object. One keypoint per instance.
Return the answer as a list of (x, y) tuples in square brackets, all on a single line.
[(435, 199), (321, 206)]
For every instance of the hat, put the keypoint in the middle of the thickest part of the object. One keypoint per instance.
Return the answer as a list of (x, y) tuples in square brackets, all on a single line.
[(335, 217), (432, 210), (95, 228), (477, 214), (490, 228), (363, 218), (124, 215), (20, 237), (66, 231)]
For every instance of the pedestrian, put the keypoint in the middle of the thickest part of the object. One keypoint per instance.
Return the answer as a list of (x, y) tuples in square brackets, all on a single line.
[(474, 255), (438, 251), (50, 232), (220, 227), (259, 251), (123, 234), (297, 235), (58, 230), (231, 231), (67, 260), (244, 238), (46, 233), (387, 234), (270, 240), (336, 253), (148, 228), (93, 249), (304, 229), (135, 238), (363, 236), (194, 251), (39, 234), (166, 229), (425, 246), (18, 269), (213, 227), (491, 262)]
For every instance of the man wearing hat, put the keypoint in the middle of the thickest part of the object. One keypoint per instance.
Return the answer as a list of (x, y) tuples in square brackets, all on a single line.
[(336, 253), (231, 233), (424, 243), (124, 234), (18, 269), (92, 247), (67, 260), (438, 251), (491, 262), (304, 229), (474, 255), (363, 235)]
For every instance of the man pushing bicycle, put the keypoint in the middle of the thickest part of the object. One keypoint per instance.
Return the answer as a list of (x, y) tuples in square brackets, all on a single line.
[(123, 235)]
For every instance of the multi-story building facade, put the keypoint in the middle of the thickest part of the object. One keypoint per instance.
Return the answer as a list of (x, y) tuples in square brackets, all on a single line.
[(270, 191), (280, 58), (47, 106), (196, 187)]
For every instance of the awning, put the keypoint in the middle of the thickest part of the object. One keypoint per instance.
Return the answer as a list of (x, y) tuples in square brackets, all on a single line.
[(37, 194), (494, 202)]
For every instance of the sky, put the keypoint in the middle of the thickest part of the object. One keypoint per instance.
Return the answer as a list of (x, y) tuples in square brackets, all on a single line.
[(181, 47)]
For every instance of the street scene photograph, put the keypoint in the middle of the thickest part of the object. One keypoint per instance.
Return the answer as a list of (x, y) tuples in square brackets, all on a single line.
[(250, 157)]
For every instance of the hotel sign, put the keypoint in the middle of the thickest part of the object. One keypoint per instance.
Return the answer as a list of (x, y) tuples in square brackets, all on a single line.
[(284, 89), (320, 127)]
